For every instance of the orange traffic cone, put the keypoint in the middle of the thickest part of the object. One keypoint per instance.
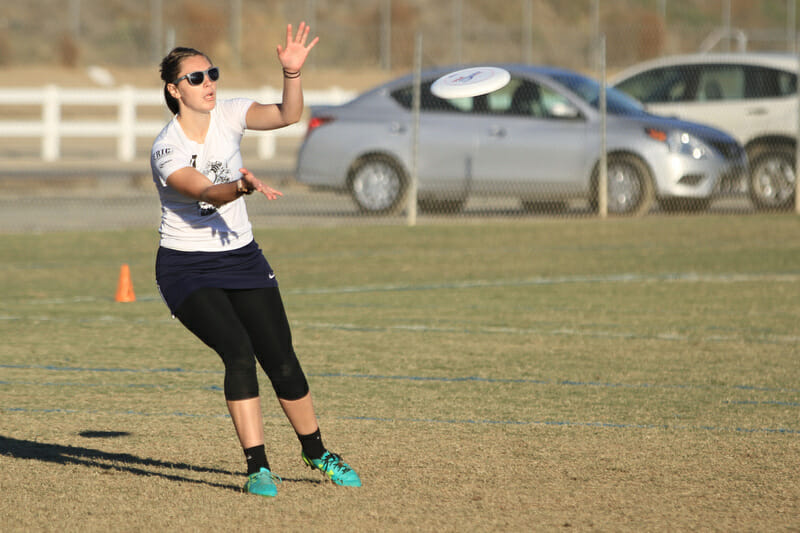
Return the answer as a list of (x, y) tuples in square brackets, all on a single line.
[(125, 286)]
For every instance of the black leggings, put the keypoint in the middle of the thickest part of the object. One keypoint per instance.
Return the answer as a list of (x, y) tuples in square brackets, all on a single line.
[(243, 325)]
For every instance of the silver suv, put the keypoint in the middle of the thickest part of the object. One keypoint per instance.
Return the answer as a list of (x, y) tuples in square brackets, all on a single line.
[(752, 96)]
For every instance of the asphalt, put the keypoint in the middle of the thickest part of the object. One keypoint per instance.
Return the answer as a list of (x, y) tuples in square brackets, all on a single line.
[(86, 193)]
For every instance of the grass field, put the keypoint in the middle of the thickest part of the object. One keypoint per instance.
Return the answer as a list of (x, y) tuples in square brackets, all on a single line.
[(622, 375)]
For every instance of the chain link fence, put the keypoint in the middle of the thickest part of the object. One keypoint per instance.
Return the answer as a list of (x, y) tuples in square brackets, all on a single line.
[(540, 146)]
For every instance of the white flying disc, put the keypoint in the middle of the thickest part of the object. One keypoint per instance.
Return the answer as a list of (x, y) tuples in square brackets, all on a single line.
[(471, 81)]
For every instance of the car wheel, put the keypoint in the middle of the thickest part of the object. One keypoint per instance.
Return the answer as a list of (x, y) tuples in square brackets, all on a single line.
[(772, 179), (441, 206), (630, 186), (378, 185)]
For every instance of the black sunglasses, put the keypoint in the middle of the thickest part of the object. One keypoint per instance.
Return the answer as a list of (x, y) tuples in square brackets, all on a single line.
[(197, 77)]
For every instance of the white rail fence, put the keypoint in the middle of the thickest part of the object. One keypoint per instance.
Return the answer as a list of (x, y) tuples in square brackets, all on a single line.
[(127, 126)]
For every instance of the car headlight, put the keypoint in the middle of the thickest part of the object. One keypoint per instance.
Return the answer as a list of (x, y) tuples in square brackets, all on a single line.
[(680, 142), (683, 143)]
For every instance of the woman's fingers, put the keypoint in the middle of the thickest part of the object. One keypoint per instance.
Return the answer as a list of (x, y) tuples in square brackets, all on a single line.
[(256, 185), (270, 193)]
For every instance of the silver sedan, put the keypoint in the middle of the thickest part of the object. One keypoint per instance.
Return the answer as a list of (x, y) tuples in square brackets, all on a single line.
[(537, 139)]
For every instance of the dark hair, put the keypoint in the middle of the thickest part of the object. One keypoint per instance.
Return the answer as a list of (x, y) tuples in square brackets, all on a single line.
[(171, 67)]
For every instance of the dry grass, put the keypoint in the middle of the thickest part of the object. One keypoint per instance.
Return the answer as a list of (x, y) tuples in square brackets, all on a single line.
[(627, 375)]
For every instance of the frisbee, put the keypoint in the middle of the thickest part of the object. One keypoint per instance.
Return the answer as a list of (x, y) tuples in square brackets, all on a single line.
[(472, 81)]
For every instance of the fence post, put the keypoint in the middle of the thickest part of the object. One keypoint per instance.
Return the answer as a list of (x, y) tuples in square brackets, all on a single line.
[(235, 15), (126, 142), (51, 119), (791, 25), (266, 144), (157, 29), (458, 31), (415, 104), (527, 32), (602, 180), (266, 139), (386, 34), (797, 135)]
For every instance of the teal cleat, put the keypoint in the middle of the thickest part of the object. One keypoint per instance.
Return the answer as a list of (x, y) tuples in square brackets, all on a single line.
[(262, 483), (334, 469)]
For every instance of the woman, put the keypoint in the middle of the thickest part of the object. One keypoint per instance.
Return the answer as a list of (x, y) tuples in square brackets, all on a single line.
[(210, 271)]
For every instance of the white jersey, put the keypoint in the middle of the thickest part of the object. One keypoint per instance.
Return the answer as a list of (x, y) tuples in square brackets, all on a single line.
[(186, 224)]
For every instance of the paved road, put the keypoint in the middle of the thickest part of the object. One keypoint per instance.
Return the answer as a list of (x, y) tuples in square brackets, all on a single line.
[(298, 207), (93, 194)]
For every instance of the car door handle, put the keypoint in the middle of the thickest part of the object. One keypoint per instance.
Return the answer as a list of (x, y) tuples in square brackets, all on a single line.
[(396, 127), (757, 111), (497, 131)]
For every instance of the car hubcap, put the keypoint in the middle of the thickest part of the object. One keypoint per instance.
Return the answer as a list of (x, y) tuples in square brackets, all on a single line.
[(624, 189), (376, 186), (774, 181)]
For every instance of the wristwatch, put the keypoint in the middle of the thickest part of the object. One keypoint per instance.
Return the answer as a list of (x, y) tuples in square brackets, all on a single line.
[(242, 187)]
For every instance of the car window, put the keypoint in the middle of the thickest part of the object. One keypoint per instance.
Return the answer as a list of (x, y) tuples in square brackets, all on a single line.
[(665, 84), (518, 97), (461, 104), (429, 102), (721, 82), (529, 99), (763, 82), (617, 102), (787, 83), (501, 100), (709, 82)]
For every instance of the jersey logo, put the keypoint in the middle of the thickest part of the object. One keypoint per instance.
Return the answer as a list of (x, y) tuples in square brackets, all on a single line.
[(217, 172), (158, 155)]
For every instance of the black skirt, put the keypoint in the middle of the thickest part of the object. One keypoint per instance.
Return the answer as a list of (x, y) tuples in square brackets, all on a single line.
[(178, 274)]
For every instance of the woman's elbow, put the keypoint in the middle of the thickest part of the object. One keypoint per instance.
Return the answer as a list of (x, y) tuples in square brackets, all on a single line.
[(292, 118)]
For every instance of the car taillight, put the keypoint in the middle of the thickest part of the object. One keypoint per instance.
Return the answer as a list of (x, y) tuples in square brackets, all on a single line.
[(316, 122)]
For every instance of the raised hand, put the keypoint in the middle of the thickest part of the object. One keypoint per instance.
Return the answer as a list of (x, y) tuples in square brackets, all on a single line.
[(294, 54)]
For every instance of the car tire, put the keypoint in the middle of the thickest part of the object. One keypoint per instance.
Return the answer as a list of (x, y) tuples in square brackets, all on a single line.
[(630, 186), (772, 178), (378, 185)]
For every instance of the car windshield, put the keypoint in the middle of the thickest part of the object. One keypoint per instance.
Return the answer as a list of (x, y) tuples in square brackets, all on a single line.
[(617, 102)]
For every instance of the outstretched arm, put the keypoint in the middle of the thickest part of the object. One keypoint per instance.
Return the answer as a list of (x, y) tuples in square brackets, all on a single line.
[(190, 182), (292, 56)]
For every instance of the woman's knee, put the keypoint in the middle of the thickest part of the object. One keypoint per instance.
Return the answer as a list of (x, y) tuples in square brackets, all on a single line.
[(241, 377), (240, 384), (288, 379)]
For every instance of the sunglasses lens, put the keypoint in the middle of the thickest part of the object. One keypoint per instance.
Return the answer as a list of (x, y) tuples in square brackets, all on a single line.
[(195, 78)]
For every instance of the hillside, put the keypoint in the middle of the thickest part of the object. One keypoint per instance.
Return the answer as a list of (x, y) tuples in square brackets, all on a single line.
[(127, 38)]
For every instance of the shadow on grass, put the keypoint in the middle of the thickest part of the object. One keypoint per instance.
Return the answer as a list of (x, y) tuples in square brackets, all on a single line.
[(124, 462)]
